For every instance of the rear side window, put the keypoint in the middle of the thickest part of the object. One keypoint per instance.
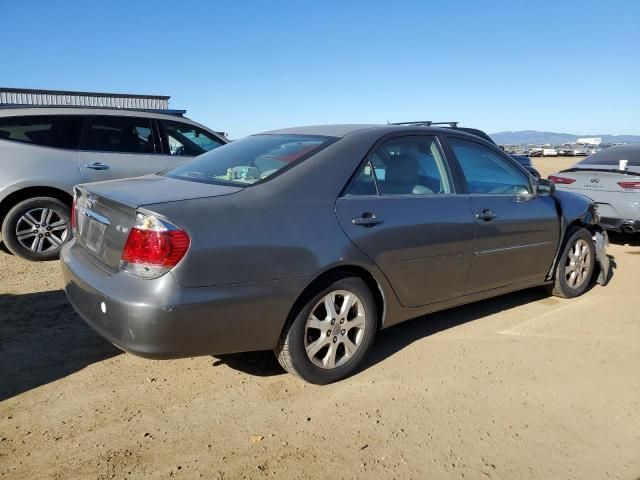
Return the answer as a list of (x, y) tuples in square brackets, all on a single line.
[(182, 139), (404, 166), (250, 160), (60, 131), (488, 172), (118, 134)]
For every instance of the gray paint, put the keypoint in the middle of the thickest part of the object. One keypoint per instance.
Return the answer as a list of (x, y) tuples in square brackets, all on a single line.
[(255, 250)]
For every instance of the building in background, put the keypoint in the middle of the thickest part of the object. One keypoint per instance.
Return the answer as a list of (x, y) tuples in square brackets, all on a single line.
[(589, 141), (63, 98)]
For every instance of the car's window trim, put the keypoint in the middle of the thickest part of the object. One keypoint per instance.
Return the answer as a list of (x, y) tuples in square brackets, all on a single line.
[(454, 185), (85, 126), (496, 150)]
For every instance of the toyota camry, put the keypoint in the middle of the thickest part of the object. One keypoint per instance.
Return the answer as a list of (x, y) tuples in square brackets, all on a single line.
[(307, 241)]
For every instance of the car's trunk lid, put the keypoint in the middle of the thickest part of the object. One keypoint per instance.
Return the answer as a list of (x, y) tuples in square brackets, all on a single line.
[(600, 179), (106, 211)]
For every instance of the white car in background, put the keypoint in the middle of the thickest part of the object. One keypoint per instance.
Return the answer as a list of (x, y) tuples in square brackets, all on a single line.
[(549, 152)]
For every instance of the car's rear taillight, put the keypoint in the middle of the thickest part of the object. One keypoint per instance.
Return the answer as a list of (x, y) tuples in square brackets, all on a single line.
[(154, 247), (629, 185), (561, 180)]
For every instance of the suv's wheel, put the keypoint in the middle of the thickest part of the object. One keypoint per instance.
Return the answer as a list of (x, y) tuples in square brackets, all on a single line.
[(331, 334), (576, 264), (35, 229)]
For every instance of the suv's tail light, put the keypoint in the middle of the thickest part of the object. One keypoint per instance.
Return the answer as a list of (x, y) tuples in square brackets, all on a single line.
[(629, 185), (154, 247), (561, 180)]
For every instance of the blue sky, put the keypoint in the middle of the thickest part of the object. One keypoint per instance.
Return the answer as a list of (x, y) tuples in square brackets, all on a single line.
[(244, 67)]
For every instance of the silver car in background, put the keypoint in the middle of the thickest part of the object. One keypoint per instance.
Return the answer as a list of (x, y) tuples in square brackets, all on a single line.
[(44, 152), (611, 178)]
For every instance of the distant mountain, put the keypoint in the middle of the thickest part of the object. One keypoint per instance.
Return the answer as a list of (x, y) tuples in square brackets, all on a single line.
[(538, 138)]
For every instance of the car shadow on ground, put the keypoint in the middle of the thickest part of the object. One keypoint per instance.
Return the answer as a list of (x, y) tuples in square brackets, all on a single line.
[(628, 240), (394, 339), (42, 340), (3, 248)]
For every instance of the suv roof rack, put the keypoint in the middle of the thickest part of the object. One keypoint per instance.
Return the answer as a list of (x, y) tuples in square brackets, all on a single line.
[(427, 123)]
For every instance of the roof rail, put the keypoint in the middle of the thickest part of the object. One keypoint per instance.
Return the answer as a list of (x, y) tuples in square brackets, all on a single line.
[(426, 123)]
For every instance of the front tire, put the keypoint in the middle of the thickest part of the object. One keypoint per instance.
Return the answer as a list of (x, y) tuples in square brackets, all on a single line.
[(576, 264), (331, 334), (37, 228)]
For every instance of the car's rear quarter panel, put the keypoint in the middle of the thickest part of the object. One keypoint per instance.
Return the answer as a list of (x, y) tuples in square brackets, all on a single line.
[(23, 165)]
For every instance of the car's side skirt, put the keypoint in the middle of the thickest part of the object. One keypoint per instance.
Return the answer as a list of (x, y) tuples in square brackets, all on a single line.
[(410, 313)]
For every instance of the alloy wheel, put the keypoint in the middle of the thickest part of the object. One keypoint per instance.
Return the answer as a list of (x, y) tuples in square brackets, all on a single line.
[(577, 268), (334, 329), (42, 230)]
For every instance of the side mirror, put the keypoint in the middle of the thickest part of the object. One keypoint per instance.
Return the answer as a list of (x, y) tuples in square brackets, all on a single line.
[(545, 187)]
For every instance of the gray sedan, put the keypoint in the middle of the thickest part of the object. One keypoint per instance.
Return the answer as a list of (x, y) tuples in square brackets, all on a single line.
[(309, 240), (611, 177)]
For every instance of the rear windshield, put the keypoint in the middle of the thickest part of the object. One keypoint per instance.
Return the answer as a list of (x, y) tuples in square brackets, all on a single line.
[(250, 160), (612, 156)]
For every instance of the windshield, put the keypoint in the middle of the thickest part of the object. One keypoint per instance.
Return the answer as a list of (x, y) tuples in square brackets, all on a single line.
[(612, 156), (250, 160)]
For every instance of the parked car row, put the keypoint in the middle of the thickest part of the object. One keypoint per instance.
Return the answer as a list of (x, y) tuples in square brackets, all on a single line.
[(562, 151)]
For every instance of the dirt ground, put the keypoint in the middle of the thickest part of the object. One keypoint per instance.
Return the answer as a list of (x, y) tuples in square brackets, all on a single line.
[(521, 386)]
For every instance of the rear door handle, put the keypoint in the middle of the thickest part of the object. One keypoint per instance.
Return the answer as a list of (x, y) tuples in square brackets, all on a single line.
[(97, 166), (486, 215), (367, 220)]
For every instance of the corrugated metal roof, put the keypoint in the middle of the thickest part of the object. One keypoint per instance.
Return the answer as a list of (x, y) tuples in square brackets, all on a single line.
[(24, 96)]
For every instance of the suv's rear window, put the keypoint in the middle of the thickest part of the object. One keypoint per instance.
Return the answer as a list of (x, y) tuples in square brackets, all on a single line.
[(249, 160), (612, 156), (60, 131)]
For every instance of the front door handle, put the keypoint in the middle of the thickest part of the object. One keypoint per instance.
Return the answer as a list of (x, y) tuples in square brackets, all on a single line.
[(367, 219), (97, 166), (486, 215)]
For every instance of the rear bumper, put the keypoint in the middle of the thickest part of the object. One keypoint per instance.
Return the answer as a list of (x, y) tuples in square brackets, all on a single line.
[(162, 319), (618, 224)]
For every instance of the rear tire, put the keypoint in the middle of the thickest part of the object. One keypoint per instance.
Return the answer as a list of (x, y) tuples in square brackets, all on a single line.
[(576, 264), (331, 333), (37, 228)]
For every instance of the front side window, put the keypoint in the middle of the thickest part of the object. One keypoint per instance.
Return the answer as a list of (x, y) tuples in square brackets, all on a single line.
[(182, 139), (60, 131), (249, 160), (486, 171), (404, 166), (118, 134)]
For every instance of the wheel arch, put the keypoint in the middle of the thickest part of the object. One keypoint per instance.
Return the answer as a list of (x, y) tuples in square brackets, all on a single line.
[(331, 275), (18, 196)]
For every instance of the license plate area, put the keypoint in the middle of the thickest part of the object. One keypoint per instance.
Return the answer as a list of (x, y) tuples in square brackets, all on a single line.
[(91, 230)]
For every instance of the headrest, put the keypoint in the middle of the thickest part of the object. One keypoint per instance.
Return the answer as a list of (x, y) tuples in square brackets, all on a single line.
[(402, 169)]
